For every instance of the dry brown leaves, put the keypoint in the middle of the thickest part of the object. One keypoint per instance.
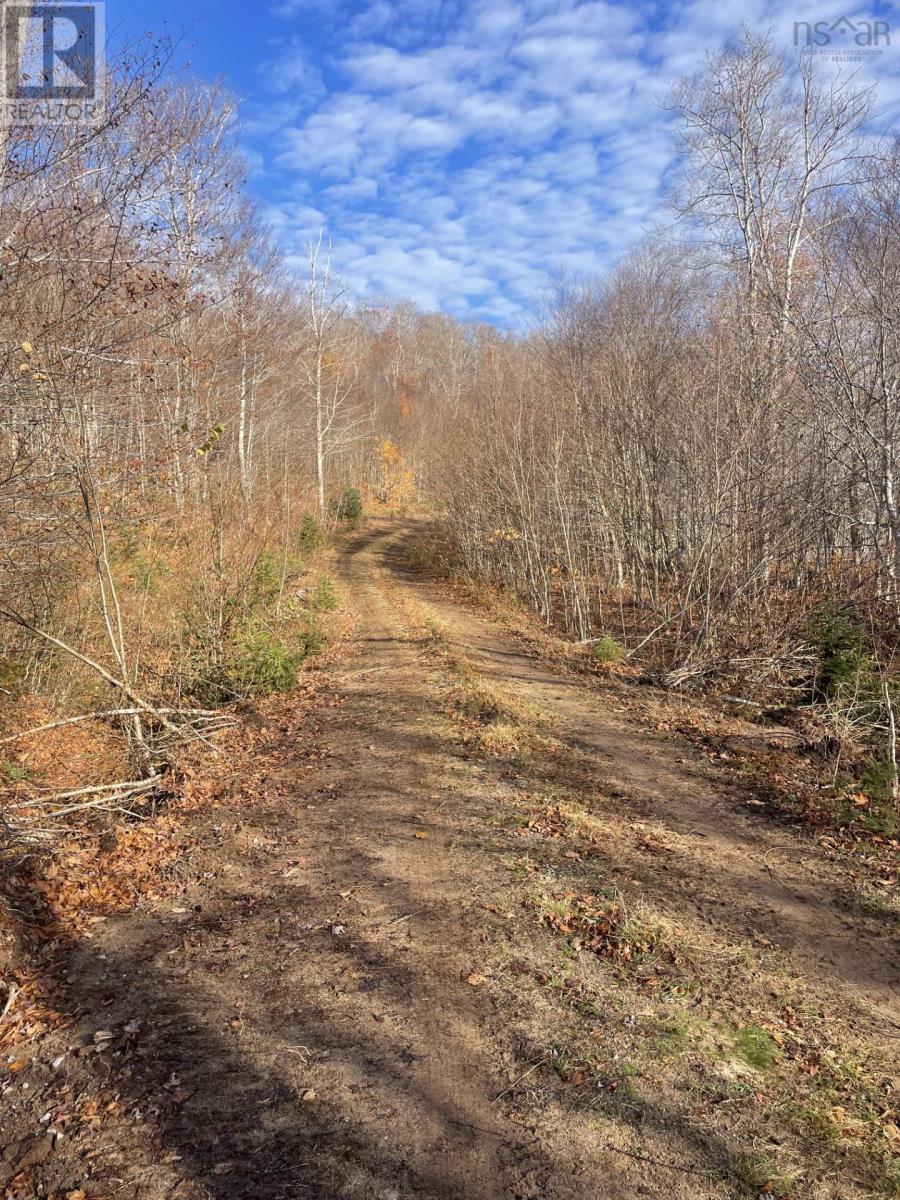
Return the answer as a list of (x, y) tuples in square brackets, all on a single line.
[(67, 757), (600, 925), (99, 867), (550, 822)]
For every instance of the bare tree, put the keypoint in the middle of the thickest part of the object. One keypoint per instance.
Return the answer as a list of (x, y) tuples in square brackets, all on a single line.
[(764, 146), (327, 367)]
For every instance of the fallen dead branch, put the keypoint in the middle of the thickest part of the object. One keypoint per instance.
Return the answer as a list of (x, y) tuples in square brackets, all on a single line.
[(117, 796), (191, 714), (753, 670), (114, 797), (119, 684), (104, 792)]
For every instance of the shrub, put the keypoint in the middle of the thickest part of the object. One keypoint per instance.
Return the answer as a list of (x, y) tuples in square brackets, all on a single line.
[(877, 782), (269, 575), (878, 778), (309, 535), (238, 639), (839, 642), (607, 650), (324, 599), (257, 662), (262, 664), (349, 508), (311, 640), (11, 674)]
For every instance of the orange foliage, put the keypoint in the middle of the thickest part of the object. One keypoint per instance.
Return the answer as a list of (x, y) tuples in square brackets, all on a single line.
[(395, 479)]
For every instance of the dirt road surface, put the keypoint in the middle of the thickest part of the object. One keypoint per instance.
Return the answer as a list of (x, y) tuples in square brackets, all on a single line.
[(353, 992)]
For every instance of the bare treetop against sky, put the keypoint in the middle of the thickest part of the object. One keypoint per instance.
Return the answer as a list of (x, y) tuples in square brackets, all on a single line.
[(460, 153)]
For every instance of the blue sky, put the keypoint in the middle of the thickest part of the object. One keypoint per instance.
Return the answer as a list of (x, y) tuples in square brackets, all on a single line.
[(462, 152)]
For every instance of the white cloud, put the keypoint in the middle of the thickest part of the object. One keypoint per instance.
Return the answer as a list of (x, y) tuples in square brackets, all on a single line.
[(289, 72), (463, 151)]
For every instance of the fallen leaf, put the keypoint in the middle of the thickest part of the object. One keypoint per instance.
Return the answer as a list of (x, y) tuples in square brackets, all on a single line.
[(421, 834), (577, 1077), (477, 980), (309, 1095)]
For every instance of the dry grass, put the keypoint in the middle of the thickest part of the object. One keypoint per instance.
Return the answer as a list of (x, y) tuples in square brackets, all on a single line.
[(488, 718)]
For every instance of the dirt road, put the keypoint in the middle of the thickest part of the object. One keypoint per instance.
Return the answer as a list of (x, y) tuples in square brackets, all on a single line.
[(367, 983)]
